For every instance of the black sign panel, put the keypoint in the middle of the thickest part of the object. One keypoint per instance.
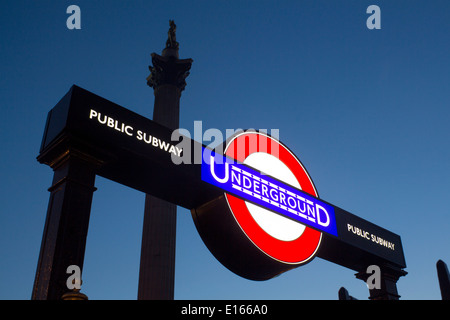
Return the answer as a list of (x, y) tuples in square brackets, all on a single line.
[(134, 151), (141, 154), (361, 243)]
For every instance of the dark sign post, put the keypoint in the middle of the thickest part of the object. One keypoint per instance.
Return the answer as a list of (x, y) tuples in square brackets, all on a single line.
[(86, 135)]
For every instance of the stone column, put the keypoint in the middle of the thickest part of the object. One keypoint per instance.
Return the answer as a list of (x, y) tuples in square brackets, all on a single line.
[(157, 266)]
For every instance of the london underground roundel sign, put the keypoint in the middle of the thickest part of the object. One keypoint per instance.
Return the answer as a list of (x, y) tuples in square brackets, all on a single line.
[(279, 237), (261, 226)]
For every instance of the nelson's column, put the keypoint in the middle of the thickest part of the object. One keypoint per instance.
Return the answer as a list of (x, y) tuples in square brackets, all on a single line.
[(157, 266)]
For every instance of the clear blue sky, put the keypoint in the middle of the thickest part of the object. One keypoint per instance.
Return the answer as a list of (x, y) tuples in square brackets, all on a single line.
[(366, 111)]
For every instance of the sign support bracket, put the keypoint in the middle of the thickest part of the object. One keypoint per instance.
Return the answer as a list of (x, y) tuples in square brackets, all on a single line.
[(389, 276), (66, 226)]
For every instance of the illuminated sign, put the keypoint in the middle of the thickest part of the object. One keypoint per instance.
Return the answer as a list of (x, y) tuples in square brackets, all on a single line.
[(273, 204), (267, 192), (254, 206), (129, 131)]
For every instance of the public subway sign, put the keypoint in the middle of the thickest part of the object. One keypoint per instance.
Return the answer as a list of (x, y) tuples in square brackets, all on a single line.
[(254, 204), (267, 192)]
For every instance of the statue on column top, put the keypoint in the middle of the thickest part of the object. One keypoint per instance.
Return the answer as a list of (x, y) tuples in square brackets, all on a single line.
[(172, 38)]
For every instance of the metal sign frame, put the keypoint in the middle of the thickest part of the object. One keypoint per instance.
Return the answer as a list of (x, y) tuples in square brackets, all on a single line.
[(86, 135)]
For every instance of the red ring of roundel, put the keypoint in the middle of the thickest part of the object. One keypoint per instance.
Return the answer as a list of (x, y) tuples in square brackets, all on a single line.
[(296, 251)]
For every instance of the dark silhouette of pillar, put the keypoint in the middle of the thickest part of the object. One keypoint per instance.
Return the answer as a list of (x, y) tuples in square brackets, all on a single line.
[(66, 226), (157, 266)]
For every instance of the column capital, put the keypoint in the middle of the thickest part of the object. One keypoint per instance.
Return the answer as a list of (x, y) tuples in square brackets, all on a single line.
[(168, 70)]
